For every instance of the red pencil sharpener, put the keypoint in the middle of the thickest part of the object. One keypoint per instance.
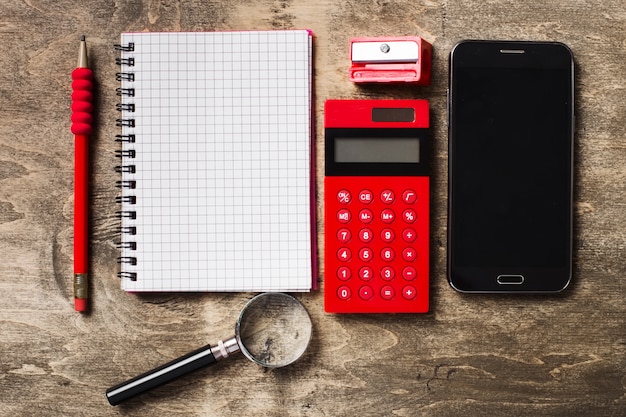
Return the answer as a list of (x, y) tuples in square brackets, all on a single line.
[(405, 59)]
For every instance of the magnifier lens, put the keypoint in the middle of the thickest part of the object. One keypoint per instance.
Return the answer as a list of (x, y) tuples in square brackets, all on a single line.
[(273, 330)]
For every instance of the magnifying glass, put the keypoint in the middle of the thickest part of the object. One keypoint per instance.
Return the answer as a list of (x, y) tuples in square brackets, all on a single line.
[(273, 330)]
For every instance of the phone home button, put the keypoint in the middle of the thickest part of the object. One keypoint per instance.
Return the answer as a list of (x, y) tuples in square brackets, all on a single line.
[(510, 279)]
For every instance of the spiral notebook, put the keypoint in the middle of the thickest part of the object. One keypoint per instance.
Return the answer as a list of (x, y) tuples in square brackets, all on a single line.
[(216, 158)]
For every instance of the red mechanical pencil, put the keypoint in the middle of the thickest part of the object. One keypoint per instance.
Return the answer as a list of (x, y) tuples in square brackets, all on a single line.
[(82, 108)]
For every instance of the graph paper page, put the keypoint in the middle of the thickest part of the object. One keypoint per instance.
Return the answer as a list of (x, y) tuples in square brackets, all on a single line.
[(222, 161)]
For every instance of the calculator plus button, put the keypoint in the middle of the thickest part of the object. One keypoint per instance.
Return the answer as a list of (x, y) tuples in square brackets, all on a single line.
[(387, 196), (366, 292), (409, 196), (344, 235), (344, 292), (387, 273), (365, 235), (344, 216), (344, 254), (344, 273), (409, 235), (344, 196), (366, 216), (387, 254), (387, 235), (409, 254), (366, 197), (409, 292), (366, 273), (409, 273), (409, 215), (387, 216), (387, 292), (365, 254)]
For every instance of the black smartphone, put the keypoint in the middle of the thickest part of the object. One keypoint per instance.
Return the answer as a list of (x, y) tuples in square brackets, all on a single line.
[(510, 172)]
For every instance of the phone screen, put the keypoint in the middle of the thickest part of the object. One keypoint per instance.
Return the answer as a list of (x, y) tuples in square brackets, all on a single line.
[(510, 169)]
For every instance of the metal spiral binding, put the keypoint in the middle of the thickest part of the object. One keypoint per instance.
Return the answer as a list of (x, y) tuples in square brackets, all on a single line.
[(125, 48), (125, 138), (125, 122), (128, 92), (131, 185), (127, 275), (129, 62), (130, 107), (126, 168), (125, 76), (128, 199)]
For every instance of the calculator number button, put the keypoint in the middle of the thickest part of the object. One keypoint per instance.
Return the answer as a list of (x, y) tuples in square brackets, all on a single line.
[(387, 235), (344, 292), (366, 235), (387, 273), (366, 273), (365, 254), (344, 273), (387, 254), (344, 235), (344, 254)]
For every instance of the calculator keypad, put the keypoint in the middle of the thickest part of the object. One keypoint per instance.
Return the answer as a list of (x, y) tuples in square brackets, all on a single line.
[(376, 244)]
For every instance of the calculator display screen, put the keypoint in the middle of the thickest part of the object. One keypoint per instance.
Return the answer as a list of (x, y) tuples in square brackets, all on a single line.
[(377, 150)]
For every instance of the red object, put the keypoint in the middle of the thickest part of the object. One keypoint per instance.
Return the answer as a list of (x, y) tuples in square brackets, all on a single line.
[(81, 128), (394, 262), (376, 216), (358, 114), (405, 59)]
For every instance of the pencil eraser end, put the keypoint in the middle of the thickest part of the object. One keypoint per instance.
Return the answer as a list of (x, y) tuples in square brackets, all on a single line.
[(80, 304)]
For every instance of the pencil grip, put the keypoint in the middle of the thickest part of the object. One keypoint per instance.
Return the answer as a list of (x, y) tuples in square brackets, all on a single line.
[(161, 375), (82, 98)]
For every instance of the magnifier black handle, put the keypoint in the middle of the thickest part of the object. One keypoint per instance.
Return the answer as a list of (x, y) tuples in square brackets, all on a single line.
[(163, 374)]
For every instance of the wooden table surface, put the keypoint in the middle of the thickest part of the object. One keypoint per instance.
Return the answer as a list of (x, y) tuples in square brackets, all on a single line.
[(471, 355)]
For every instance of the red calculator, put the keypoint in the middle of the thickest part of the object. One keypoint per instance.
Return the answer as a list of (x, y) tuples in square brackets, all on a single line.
[(376, 206)]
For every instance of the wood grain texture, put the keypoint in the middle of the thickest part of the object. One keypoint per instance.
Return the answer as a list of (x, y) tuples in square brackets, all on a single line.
[(472, 355)]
